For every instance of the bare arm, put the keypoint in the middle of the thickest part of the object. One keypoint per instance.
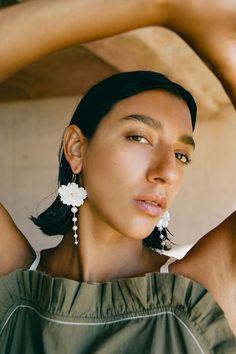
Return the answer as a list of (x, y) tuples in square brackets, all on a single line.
[(212, 262), (36, 28), (15, 250), (210, 29)]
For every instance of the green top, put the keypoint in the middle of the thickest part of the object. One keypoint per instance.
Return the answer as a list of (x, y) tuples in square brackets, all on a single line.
[(156, 313)]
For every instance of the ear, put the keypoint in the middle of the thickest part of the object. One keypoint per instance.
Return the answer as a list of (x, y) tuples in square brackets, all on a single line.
[(74, 144)]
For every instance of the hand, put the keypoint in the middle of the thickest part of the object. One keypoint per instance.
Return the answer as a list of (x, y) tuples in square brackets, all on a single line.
[(209, 27)]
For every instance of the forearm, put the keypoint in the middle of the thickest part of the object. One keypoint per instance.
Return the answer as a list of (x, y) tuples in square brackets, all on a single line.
[(36, 28)]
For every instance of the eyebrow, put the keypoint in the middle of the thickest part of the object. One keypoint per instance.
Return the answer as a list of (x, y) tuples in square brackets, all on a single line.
[(153, 123), (187, 139), (157, 125)]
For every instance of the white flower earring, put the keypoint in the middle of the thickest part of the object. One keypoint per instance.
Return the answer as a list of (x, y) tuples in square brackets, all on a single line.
[(163, 223), (73, 195)]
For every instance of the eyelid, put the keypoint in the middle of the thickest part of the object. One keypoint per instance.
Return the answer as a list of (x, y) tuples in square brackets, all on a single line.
[(186, 155), (139, 133), (139, 136)]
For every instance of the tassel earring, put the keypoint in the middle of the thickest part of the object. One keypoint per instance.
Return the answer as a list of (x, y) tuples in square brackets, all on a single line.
[(73, 195), (163, 223)]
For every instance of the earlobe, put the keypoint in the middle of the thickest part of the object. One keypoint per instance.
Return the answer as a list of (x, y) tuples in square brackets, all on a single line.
[(74, 144)]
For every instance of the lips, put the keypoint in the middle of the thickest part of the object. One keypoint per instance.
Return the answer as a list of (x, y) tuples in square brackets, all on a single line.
[(153, 204)]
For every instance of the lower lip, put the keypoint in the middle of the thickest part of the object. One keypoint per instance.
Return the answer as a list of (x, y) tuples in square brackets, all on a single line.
[(151, 209)]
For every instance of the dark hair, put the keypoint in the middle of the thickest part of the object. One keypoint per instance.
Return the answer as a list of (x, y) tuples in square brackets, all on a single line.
[(95, 104)]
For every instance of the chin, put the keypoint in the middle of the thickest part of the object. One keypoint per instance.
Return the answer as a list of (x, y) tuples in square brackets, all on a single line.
[(139, 233)]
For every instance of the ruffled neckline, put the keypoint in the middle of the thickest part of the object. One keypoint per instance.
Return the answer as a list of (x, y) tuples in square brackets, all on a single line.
[(114, 300)]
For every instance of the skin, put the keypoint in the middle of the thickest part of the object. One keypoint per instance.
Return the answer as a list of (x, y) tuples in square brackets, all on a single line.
[(125, 161), (212, 263), (210, 33), (15, 250), (209, 29), (111, 227)]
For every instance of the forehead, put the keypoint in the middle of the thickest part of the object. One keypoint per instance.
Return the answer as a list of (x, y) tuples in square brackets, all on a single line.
[(158, 104)]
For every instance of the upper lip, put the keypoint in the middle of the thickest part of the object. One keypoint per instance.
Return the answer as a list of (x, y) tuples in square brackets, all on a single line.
[(156, 198)]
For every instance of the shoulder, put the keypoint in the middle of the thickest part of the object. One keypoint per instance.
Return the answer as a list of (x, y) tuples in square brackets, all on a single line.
[(213, 256), (15, 250), (212, 263)]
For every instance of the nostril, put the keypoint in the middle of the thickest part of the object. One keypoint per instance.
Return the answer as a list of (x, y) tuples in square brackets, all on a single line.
[(160, 179)]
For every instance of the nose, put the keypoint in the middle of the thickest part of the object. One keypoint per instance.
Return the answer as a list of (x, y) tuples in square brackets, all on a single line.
[(164, 168)]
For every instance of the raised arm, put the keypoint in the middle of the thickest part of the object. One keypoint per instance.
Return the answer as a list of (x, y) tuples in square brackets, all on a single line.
[(212, 262), (209, 27), (36, 28), (15, 250)]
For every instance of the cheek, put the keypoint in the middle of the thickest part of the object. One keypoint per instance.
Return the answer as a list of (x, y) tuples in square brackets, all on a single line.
[(173, 190), (110, 171), (112, 179)]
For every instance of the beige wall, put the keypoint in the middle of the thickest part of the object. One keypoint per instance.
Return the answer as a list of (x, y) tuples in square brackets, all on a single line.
[(30, 134)]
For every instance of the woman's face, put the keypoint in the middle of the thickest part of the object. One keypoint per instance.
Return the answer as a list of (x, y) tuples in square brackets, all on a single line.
[(134, 164)]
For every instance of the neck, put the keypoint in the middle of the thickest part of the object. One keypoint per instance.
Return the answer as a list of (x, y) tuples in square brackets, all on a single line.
[(102, 254), (95, 259)]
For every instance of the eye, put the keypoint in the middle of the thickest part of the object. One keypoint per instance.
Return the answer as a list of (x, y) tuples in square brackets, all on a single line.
[(183, 158), (138, 138)]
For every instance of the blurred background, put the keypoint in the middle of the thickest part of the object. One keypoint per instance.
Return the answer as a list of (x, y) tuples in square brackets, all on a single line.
[(36, 104)]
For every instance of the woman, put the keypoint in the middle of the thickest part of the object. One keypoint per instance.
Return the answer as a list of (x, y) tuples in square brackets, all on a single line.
[(127, 147), (82, 268), (209, 29)]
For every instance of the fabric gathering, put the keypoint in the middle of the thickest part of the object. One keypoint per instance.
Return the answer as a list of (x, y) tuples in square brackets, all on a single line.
[(94, 268)]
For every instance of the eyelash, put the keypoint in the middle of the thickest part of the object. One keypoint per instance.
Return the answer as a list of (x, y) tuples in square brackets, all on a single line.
[(132, 138), (178, 155)]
